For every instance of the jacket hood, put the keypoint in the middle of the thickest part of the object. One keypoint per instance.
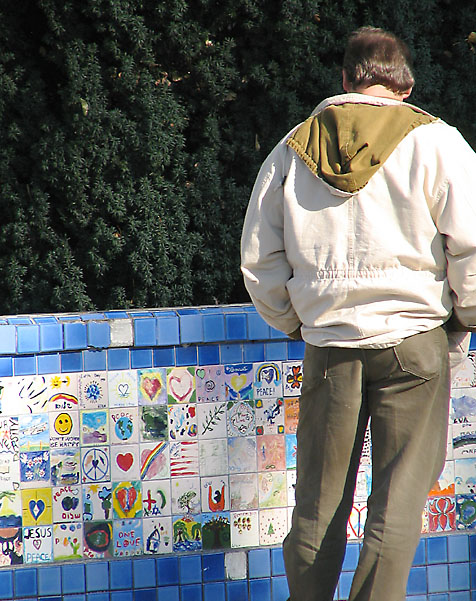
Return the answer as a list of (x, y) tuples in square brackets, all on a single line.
[(349, 137)]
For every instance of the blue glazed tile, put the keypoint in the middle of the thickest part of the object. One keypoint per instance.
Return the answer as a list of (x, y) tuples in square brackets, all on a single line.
[(437, 578), (472, 547), (214, 591), (277, 562), (49, 580), (296, 350), (277, 334), (24, 366), (168, 593), (213, 327), (6, 366), (168, 331), (73, 578), (187, 311), (6, 584), (28, 339), (74, 597), (48, 364), (141, 358), (460, 596), (55, 598), (71, 362), (258, 329), (164, 313), (437, 549), (279, 589), (418, 598), (472, 344), (75, 336), (164, 357), (236, 326), (420, 553), (416, 584), (97, 576), (45, 319), (191, 329), (118, 358), (351, 557), (259, 563), (253, 352), (167, 570), (145, 594), (190, 569), (231, 353), (65, 318), (237, 590), (19, 320), (191, 592), (213, 567), (459, 576), (7, 340), (209, 354), (438, 597), (25, 582), (121, 596), (93, 316), (275, 351), (116, 315), (99, 334), (98, 596), (95, 360), (472, 569), (345, 582), (120, 574), (144, 573), (186, 355), (140, 314), (260, 589), (458, 548), (145, 331)]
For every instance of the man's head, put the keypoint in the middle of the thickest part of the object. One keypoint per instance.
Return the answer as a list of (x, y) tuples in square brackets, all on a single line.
[(375, 57)]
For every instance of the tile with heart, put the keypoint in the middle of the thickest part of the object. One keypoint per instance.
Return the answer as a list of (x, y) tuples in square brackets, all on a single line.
[(11, 543), (64, 429), (272, 489), (291, 484), (156, 498), (34, 432), (153, 423), (292, 378), (244, 526), (210, 384), (269, 414), (37, 506), (187, 533), (240, 418), (98, 542), (185, 495), (184, 459), (271, 452), (63, 392), (154, 460), (34, 468), (238, 379), (68, 541), (182, 421), (216, 530), (267, 380), (94, 427), (181, 385), (9, 456), (93, 389), (465, 376), (123, 425), (291, 414), (356, 522), (152, 386), (122, 388), (273, 526), (211, 418), (66, 504), (10, 509), (38, 544), (243, 491), (125, 462), (95, 464), (213, 456), (242, 454), (97, 501), (157, 534), (445, 513), (127, 499), (127, 537), (215, 494)]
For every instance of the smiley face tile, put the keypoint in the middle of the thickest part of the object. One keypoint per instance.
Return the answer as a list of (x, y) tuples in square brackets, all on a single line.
[(64, 429)]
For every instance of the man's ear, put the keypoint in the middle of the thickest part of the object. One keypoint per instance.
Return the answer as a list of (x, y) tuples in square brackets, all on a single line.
[(407, 93), (345, 81)]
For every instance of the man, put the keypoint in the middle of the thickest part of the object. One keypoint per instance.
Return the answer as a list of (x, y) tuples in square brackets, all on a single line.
[(361, 236)]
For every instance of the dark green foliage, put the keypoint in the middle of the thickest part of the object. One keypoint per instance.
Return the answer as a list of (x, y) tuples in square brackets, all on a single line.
[(133, 130)]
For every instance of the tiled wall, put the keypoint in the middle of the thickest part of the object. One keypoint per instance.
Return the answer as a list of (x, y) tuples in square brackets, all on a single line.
[(150, 455)]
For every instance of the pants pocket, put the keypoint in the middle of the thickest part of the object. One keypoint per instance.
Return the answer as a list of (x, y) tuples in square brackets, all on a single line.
[(422, 355)]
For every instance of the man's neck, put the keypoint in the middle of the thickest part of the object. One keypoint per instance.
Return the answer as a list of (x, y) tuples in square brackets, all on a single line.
[(382, 92)]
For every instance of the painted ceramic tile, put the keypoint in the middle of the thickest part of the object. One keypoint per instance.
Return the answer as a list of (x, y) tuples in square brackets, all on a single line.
[(10, 509), (463, 405), (123, 424), (64, 429), (156, 498), (157, 533), (216, 530), (240, 418), (67, 541), (465, 511), (215, 494), (291, 484), (184, 459), (125, 462), (11, 546), (441, 514), (29, 394), (363, 485), (464, 440), (425, 525), (449, 443), (187, 533), (97, 501), (97, 543), (356, 523), (181, 385), (269, 415), (154, 460), (445, 485), (67, 504), (242, 454), (127, 500), (267, 380), (243, 491), (153, 423), (466, 374), (34, 432), (182, 422), (210, 384), (9, 453), (272, 489), (122, 388), (292, 378), (291, 450), (152, 386), (244, 529), (93, 390), (211, 418), (465, 476), (95, 465), (127, 537), (37, 506), (213, 456), (38, 544), (273, 526), (185, 495), (34, 468), (291, 415), (271, 452), (62, 392), (238, 382), (94, 427), (366, 455)]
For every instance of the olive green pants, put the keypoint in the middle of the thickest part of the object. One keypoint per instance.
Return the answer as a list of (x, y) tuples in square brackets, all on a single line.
[(404, 390)]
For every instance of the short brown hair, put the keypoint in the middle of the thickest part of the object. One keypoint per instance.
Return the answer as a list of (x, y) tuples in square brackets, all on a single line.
[(375, 56)]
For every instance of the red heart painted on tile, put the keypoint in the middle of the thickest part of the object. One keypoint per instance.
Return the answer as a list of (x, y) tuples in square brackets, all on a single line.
[(151, 386), (126, 497), (181, 386), (125, 461)]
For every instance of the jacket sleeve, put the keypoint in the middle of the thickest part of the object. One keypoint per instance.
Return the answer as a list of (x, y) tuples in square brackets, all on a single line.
[(264, 265)]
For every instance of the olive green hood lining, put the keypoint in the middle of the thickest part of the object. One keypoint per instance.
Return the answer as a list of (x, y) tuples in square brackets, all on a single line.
[(346, 144)]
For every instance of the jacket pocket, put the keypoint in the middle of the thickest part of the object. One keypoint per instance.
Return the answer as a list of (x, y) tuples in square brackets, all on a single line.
[(423, 355)]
